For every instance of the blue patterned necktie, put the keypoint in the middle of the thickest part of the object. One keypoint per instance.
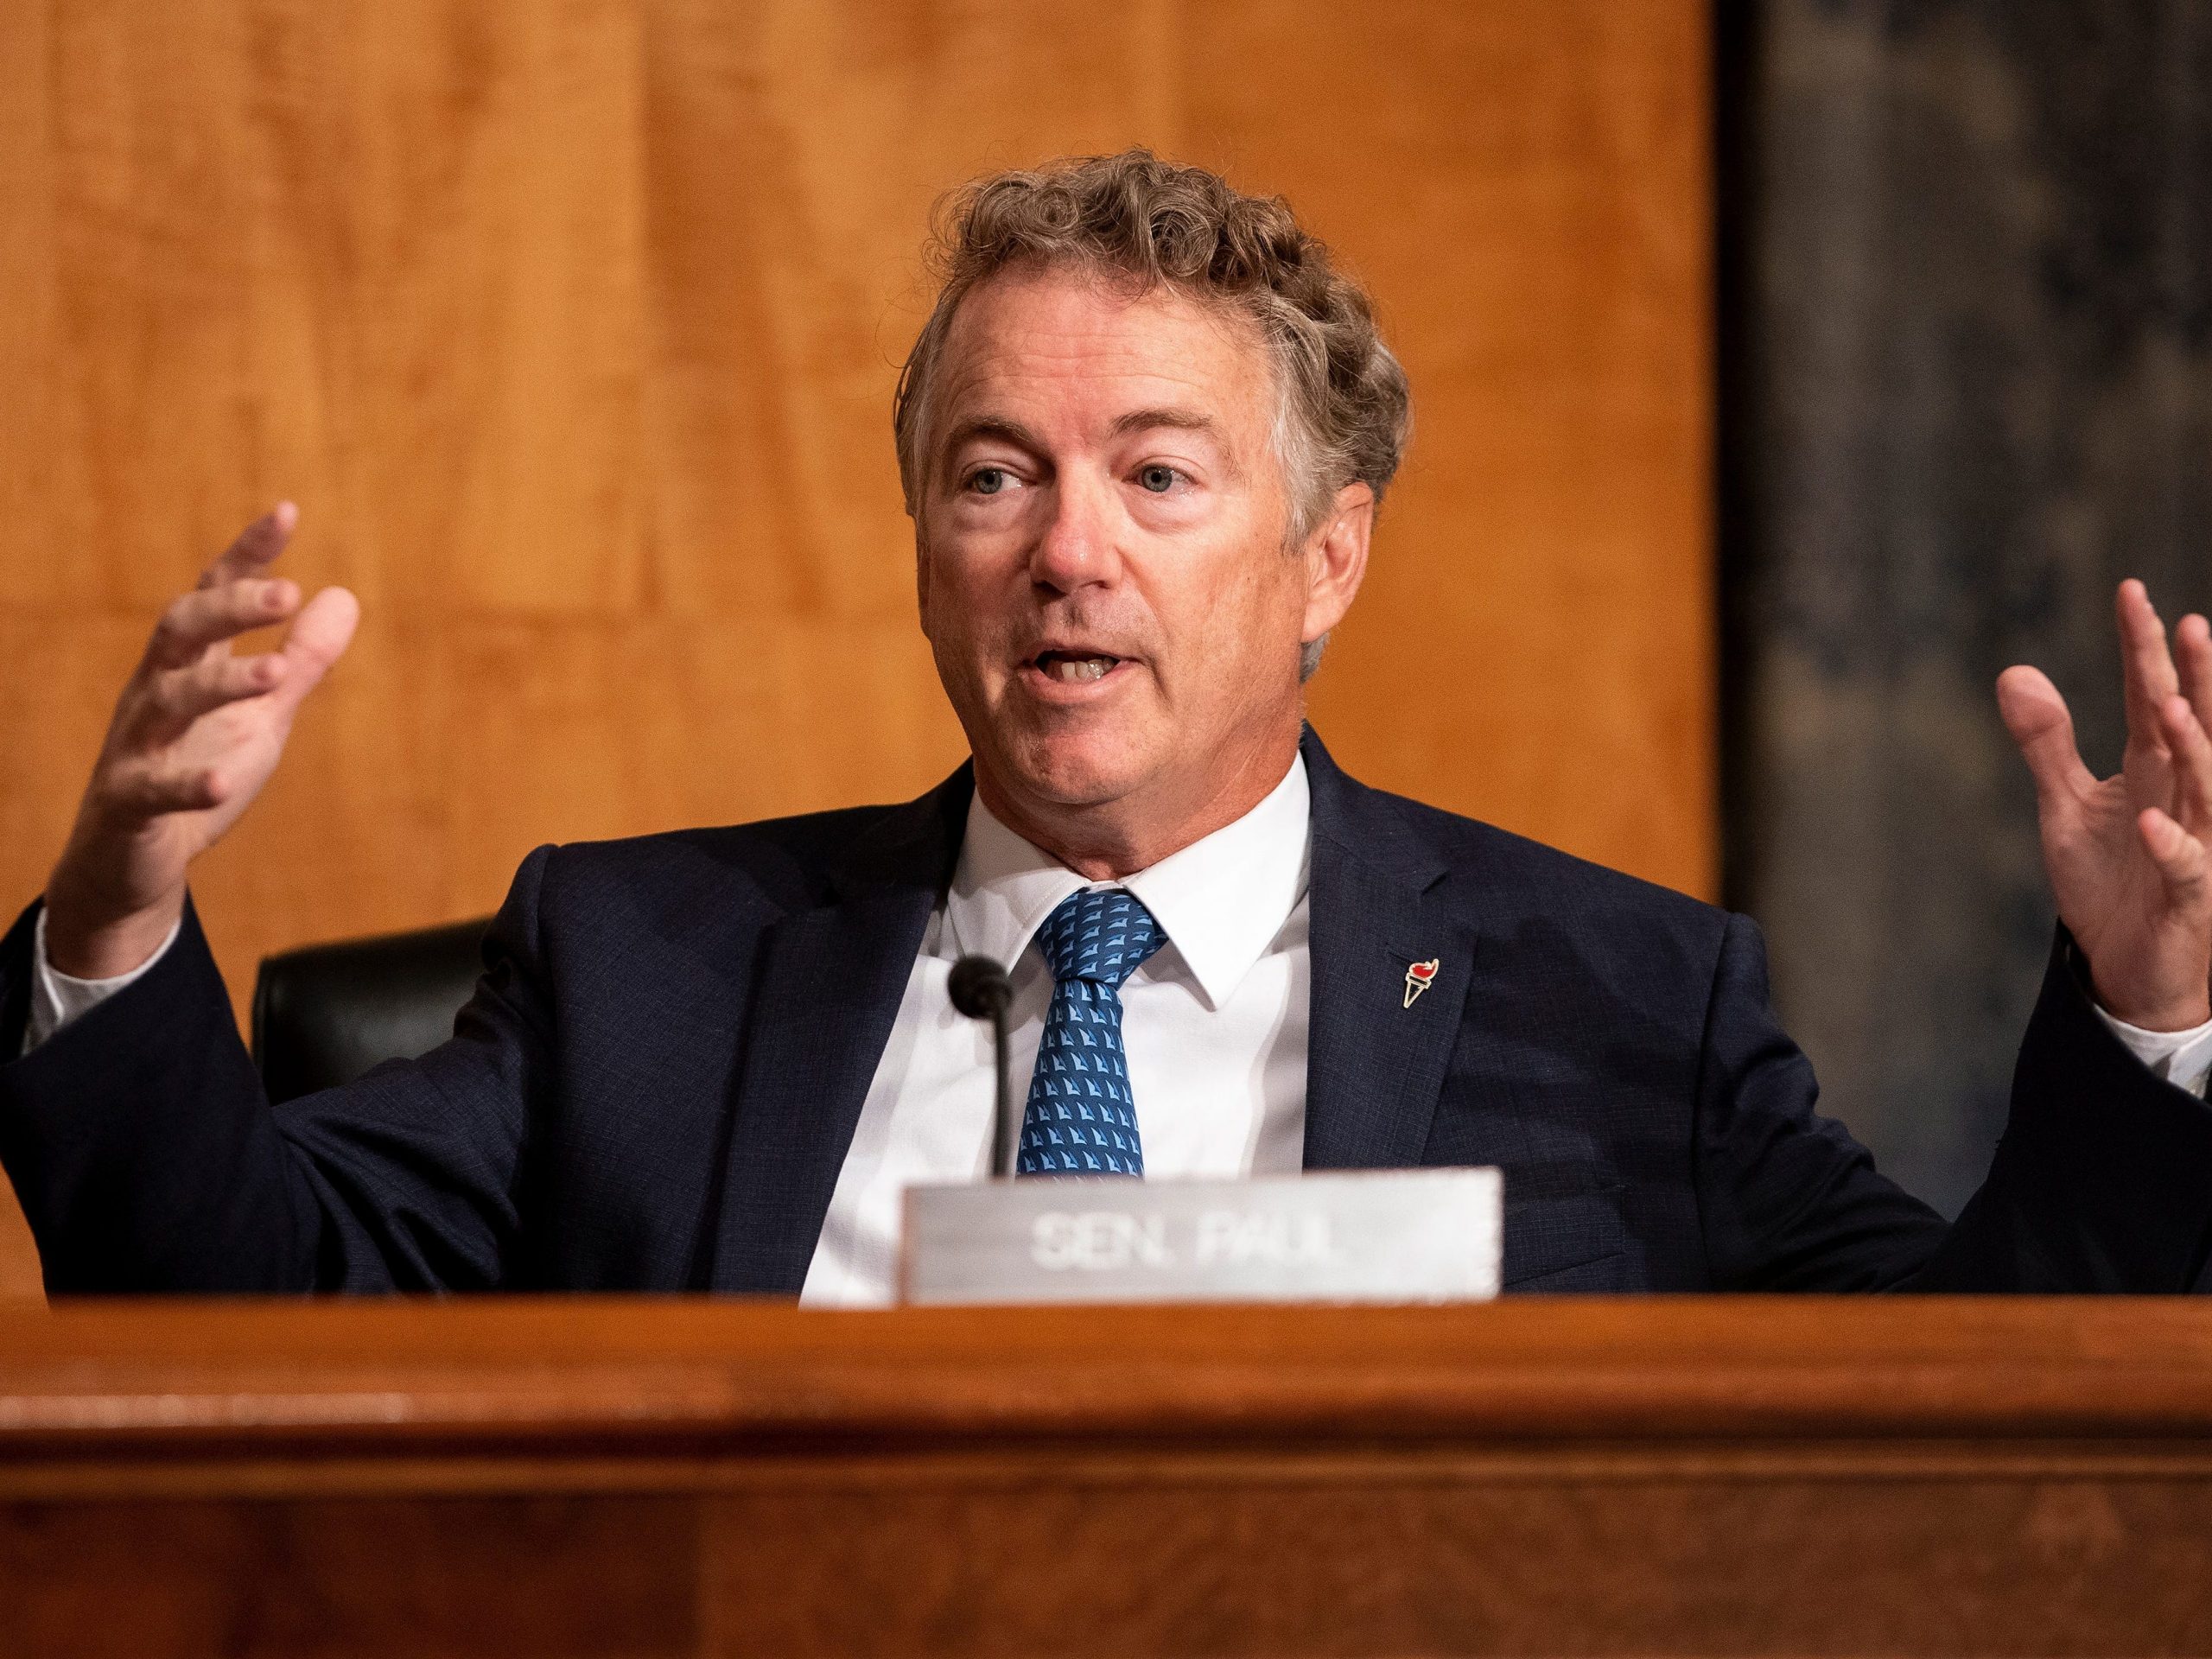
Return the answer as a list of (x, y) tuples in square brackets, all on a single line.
[(1080, 1120)]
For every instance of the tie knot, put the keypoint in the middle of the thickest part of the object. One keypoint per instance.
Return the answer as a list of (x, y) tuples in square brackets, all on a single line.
[(1102, 934)]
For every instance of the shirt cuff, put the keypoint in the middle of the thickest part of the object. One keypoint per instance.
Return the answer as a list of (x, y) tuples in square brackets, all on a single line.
[(2182, 1058), (57, 998)]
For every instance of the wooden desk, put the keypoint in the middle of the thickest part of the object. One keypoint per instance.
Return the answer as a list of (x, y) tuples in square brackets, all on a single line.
[(617, 1476)]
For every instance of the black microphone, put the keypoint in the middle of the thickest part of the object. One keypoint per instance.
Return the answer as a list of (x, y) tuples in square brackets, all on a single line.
[(981, 990)]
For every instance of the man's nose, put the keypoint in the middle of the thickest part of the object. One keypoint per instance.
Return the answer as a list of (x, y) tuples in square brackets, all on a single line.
[(1077, 547)]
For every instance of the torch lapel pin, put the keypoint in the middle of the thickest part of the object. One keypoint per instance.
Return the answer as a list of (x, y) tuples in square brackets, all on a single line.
[(1419, 975)]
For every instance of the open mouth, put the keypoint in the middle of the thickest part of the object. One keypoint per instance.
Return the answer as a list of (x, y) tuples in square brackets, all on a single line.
[(1074, 667)]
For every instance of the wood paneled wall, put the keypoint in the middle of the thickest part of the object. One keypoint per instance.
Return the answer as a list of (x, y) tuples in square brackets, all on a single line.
[(572, 326)]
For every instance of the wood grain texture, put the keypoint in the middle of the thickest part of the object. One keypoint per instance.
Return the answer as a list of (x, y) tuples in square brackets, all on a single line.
[(572, 326), (1717, 1476), (1469, 1563), (610, 1578)]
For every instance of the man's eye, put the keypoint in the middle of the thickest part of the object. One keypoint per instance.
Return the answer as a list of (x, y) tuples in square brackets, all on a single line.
[(1157, 478), (990, 480)]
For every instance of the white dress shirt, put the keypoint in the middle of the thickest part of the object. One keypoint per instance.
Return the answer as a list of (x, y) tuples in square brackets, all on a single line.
[(57, 998), (1215, 1025)]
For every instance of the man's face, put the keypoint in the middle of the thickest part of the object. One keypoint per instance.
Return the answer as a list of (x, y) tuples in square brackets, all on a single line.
[(1100, 532)]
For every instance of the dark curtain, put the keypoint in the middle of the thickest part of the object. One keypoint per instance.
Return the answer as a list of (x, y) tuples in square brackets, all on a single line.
[(1966, 387)]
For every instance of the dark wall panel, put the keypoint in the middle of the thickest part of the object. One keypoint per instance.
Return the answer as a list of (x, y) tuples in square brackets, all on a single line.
[(1967, 388)]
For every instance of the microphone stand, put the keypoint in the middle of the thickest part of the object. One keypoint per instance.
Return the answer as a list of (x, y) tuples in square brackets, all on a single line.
[(981, 990), (1003, 1129)]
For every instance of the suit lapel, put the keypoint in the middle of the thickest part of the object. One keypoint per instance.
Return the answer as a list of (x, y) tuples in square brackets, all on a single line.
[(1375, 1063), (830, 980)]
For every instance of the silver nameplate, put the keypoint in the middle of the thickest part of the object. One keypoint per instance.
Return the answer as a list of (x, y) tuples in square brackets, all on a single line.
[(1373, 1236)]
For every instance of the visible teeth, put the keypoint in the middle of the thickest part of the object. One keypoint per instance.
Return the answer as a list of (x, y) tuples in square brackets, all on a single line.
[(1075, 669)]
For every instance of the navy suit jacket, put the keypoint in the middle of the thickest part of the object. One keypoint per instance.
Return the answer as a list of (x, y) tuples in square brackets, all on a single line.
[(656, 1082)]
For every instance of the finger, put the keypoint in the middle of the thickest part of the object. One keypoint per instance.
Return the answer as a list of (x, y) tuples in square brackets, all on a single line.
[(2191, 753), (207, 616), (183, 695), (147, 788), (2148, 665), (319, 637), (2037, 717), (257, 544), (2193, 649), (2179, 855)]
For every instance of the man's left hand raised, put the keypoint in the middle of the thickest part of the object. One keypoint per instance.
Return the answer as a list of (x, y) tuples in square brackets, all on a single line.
[(2130, 856)]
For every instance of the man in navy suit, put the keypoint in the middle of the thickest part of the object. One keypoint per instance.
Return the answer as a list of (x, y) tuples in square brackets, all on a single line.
[(1143, 438)]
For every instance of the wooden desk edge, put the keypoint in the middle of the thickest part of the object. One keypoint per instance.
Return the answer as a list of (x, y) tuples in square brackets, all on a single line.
[(638, 1378)]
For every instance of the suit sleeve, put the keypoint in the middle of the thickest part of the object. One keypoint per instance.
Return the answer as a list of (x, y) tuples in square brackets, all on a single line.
[(147, 1159), (2102, 1180)]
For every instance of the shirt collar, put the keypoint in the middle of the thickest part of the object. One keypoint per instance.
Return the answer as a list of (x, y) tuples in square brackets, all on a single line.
[(1220, 900)]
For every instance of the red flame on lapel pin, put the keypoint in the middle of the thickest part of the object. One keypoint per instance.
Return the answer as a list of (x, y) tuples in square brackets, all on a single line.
[(1418, 977)]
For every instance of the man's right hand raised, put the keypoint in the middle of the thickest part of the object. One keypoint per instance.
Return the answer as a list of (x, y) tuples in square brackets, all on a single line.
[(196, 733)]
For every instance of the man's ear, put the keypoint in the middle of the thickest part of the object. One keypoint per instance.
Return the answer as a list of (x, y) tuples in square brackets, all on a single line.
[(1336, 559)]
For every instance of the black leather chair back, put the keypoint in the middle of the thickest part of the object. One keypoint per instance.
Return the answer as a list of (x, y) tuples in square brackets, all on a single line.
[(325, 1014)]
